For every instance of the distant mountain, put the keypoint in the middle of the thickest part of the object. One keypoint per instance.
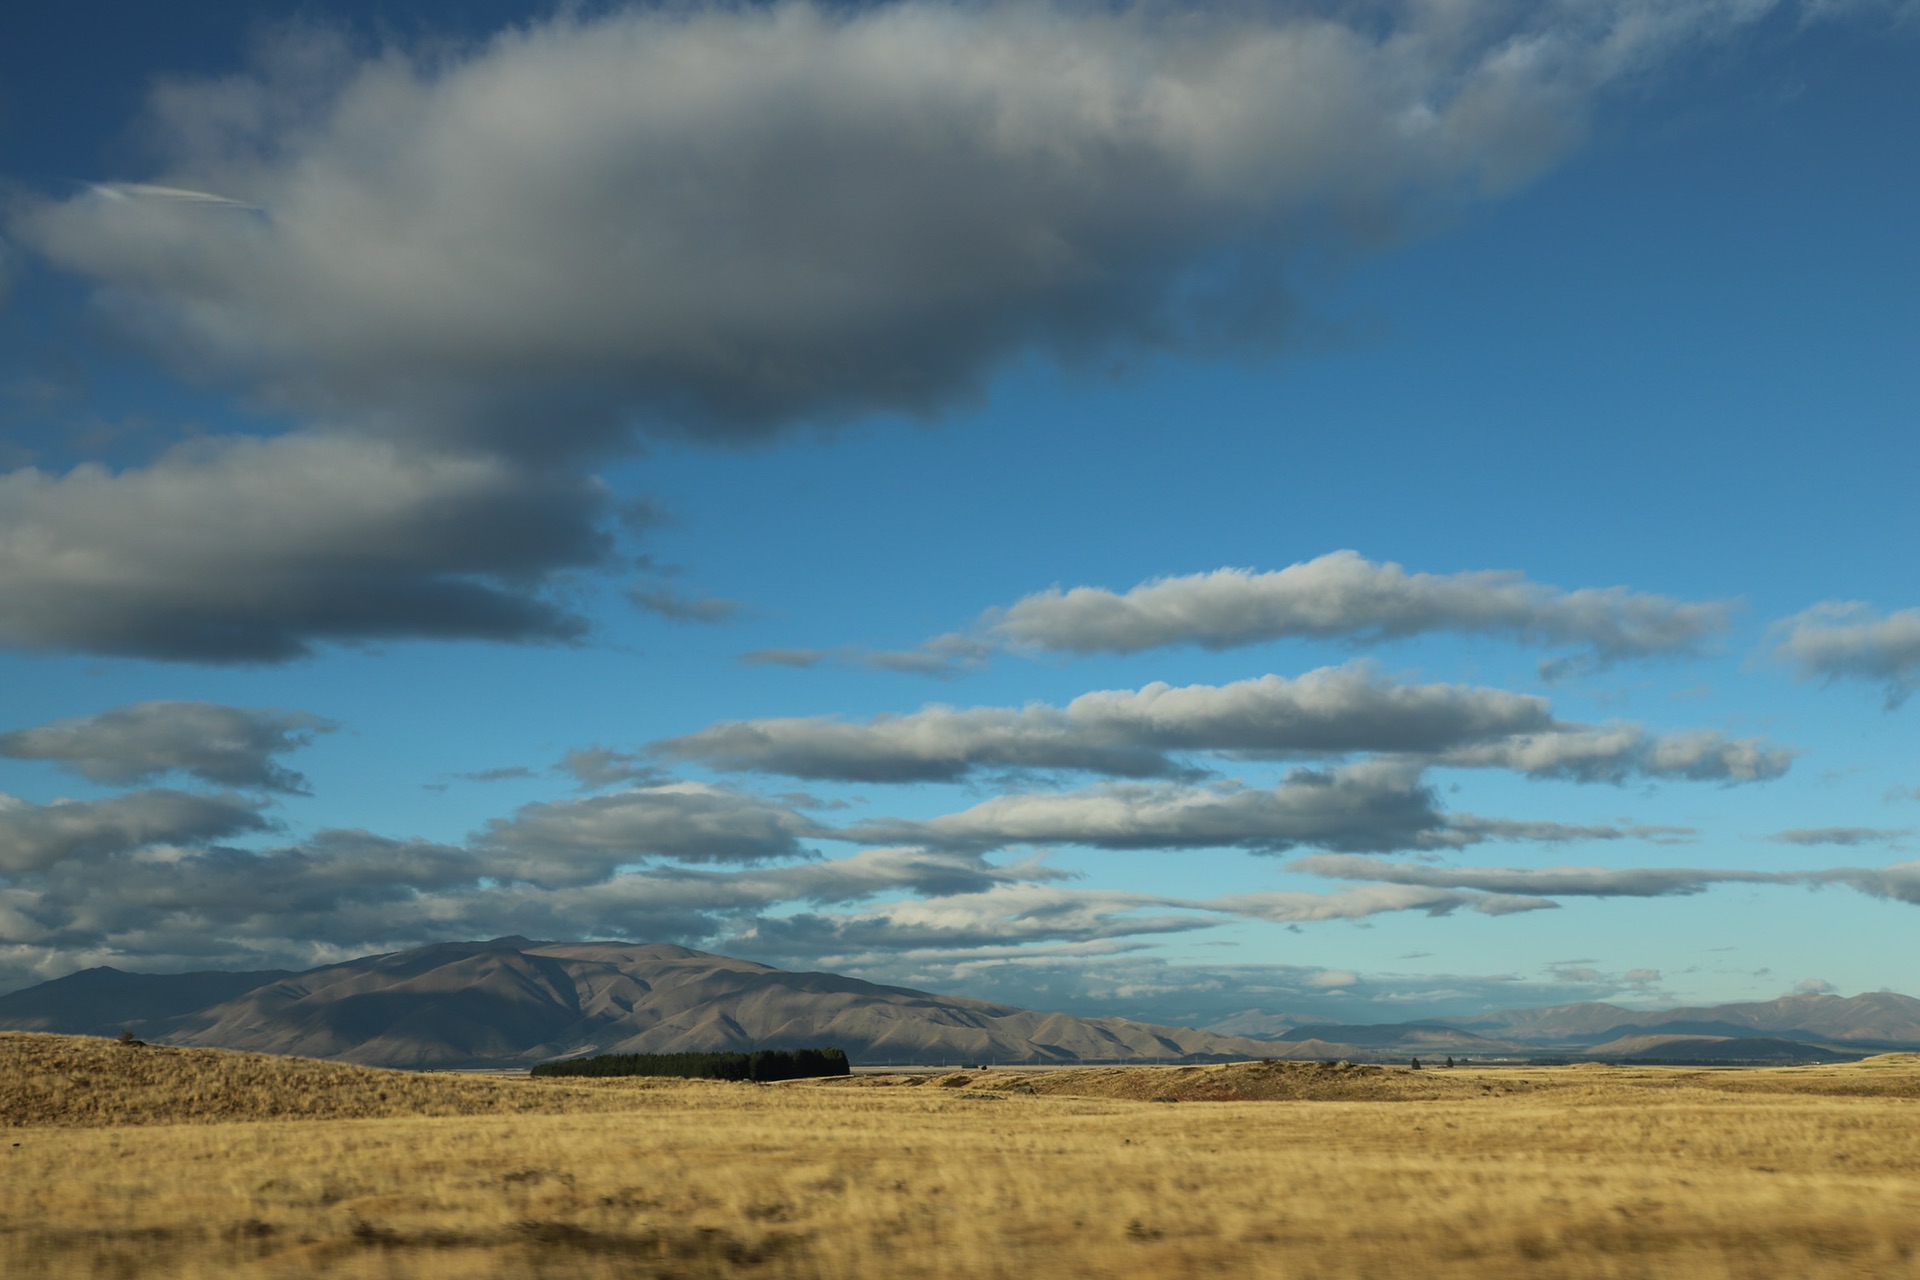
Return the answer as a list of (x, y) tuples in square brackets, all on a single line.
[(1867, 1023), (105, 1001), (514, 1002), (1877, 1019), (1744, 1050), (1400, 1037)]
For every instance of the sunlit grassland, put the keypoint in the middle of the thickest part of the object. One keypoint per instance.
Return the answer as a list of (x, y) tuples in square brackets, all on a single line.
[(1584, 1171)]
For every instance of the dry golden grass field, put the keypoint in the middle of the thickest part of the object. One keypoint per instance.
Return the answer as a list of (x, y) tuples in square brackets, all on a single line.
[(142, 1162)]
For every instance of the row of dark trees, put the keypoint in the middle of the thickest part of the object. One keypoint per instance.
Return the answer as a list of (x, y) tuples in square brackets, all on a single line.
[(761, 1065)]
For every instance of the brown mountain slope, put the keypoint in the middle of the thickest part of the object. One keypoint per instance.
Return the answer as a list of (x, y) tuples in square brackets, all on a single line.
[(515, 1002)]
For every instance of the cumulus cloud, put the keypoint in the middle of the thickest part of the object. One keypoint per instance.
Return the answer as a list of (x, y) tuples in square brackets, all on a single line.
[(1849, 640), (1347, 597), (1557, 882), (226, 746), (34, 837), (1123, 732), (245, 550)]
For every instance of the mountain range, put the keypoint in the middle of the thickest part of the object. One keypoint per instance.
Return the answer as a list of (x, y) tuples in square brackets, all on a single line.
[(513, 1002)]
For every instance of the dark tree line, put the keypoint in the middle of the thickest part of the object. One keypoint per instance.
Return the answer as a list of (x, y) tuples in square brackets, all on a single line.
[(761, 1065)]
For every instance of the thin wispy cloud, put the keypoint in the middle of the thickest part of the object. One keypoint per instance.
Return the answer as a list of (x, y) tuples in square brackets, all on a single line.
[(1557, 882)]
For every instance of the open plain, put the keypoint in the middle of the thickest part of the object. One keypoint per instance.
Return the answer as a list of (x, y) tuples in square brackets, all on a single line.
[(126, 1160)]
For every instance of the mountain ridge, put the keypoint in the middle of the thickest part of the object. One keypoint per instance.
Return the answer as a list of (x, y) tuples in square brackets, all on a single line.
[(514, 1002), (511, 1002)]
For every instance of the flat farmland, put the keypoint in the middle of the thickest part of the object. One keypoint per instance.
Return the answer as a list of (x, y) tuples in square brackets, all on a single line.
[(153, 1162)]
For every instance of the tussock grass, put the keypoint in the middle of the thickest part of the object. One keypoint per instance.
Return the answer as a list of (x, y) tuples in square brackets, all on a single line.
[(1572, 1172), (86, 1081)]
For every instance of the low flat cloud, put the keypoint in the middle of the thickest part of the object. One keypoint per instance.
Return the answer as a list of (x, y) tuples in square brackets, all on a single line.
[(678, 821), (1357, 809), (250, 551), (34, 837), (1358, 903), (1554, 882), (1850, 640), (1848, 836), (1617, 752), (1124, 733), (1343, 596), (1148, 733), (225, 746), (1001, 916), (943, 657)]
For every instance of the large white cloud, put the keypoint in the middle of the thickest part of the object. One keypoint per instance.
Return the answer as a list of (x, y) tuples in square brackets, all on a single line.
[(727, 219)]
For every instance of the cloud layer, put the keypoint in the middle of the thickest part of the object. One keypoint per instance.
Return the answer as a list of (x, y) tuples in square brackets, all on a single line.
[(475, 273)]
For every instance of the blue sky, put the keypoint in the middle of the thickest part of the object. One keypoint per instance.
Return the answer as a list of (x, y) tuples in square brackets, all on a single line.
[(671, 474)]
